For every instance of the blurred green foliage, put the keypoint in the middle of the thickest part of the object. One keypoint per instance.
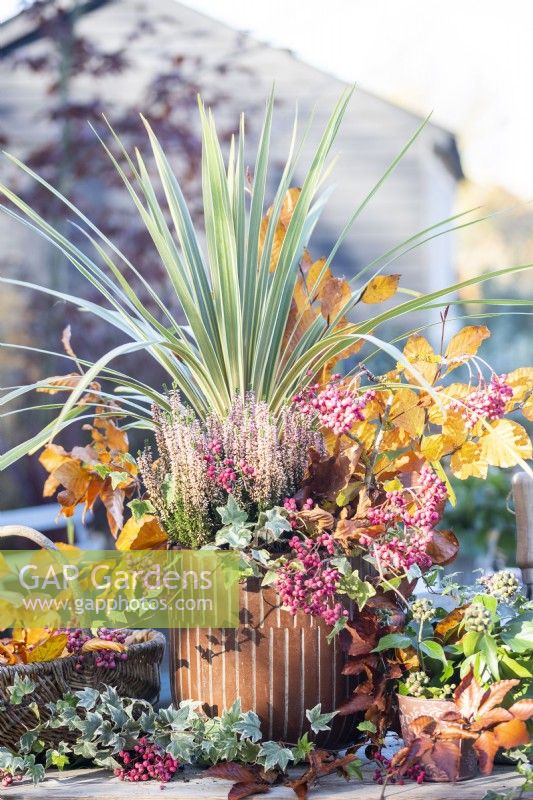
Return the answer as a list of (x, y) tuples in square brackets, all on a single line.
[(482, 519)]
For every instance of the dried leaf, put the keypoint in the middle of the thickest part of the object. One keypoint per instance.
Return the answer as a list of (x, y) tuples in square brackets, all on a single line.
[(465, 344), (421, 355), (447, 628), (316, 520), (113, 500), (146, 534), (522, 709), (380, 288), (443, 547), (231, 771), (60, 383), (240, 790), (333, 295), (50, 649), (469, 461), (495, 694), (102, 644)]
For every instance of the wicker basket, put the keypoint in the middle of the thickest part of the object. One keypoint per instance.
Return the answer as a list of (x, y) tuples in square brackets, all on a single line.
[(138, 676)]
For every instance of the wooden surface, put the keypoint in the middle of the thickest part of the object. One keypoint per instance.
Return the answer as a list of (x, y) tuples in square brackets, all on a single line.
[(95, 784)]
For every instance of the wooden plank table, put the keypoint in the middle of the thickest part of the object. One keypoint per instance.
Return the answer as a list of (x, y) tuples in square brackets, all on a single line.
[(96, 784)]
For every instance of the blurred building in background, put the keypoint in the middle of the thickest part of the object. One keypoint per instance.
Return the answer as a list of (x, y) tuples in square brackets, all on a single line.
[(65, 64)]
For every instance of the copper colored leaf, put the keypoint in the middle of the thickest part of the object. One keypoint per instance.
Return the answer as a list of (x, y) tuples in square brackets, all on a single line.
[(443, 547), (495, 694), (491, 718), (106, 432), (380, 288), (447, 628), (113, 500), (513, 733), (316, 278), (60, 383), (240, 790), (466, 344), (7, 656), (423, 726), (316, 519), (469, 695), (486, 748), (442, 761), (231, 771), (333, 296), (65, 341), (52, 456), (523, 709), (421, 355)]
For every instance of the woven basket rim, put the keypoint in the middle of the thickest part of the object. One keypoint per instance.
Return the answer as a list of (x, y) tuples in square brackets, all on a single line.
[(157, 640)]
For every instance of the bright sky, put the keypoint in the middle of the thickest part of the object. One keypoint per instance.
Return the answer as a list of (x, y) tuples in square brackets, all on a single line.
[(468, 61)]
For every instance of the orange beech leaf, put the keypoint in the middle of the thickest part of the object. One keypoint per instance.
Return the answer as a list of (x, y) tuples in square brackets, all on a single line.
[(333, 295), (421, 355), (316, 278), (7, 656), (468, 696), (447, 628), (465, 344), (486, 748), (48, 650), (522, 709), (60, 383), (436, 446), (316, 520), (110, 434), (505, 443), (469, 461), (380, 288), (495, 694), (52, 456), (491, 718), (406, 412), (442, 761), (513, 733), (146, 534), (113, 500), (74, 478)]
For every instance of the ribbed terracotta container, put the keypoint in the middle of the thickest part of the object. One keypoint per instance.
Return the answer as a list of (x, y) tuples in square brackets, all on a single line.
[(277, 664), (413, 707)]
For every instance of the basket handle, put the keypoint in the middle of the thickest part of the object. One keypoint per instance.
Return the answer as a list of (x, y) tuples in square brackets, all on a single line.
[(27, 533)]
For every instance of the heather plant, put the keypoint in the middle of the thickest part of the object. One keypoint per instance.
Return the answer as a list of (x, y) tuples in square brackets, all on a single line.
[(249, 455)]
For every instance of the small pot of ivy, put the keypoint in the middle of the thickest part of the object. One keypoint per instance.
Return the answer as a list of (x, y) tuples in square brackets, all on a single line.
[(488, 631)]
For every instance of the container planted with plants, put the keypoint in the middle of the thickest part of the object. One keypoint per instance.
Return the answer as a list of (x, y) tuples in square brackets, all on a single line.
[(468, 659), (278, 438)]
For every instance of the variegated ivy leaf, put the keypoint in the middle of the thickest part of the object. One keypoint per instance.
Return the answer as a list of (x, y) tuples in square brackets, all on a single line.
[(249, 726), (87, 698), (274, 755), (235, 535), (356, 589), (231, 513), (319, 721), (21, 687), (272, 524)]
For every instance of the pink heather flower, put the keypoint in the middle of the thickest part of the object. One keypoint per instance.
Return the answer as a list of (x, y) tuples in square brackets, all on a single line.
[(336, 407), (250, 454), (486, 402), (311, 589)]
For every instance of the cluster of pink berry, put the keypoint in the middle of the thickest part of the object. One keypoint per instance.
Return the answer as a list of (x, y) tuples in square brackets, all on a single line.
[(290, 504), (399, 554), (225, 471), (336, 407), (7, 778), (487, 402), (312, 587), (146, 762), (104, 658), (401, 551), (429, 494), (383, 772)]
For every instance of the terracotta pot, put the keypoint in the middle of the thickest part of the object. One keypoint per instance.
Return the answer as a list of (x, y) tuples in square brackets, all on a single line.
[(412, 707), (277, 664)]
